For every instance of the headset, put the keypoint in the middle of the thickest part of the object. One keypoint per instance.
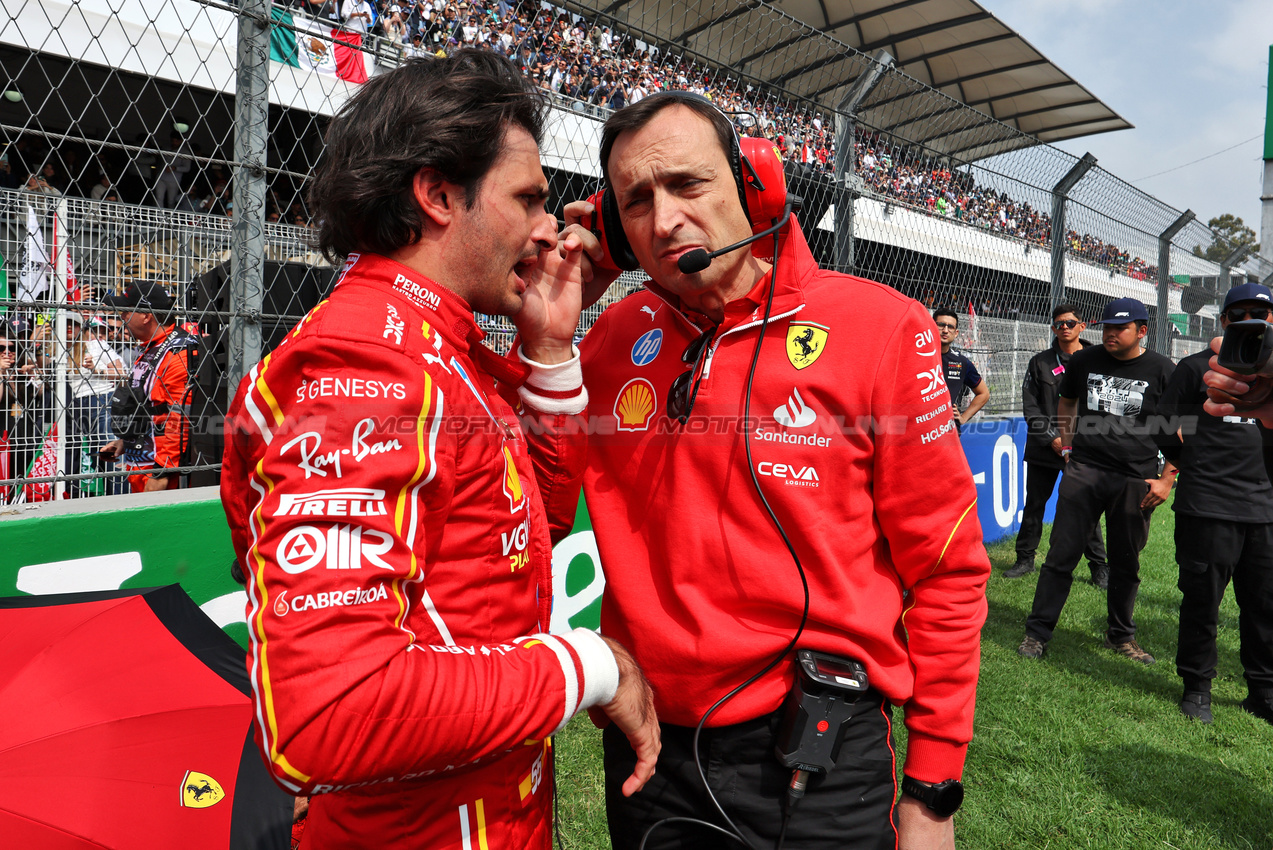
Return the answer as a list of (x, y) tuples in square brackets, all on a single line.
[(757, 170)]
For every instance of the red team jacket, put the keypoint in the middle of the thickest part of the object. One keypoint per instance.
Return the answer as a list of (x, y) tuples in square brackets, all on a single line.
[(391, 523), (854, 447)]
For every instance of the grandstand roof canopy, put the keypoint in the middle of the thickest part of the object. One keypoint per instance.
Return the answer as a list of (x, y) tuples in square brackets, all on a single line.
[(955, 46)]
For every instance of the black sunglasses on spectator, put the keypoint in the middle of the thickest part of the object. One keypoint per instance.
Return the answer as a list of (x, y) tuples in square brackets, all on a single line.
[(948, 327), (1238, 314), (680, 398), (1066, 323), (8, 347)]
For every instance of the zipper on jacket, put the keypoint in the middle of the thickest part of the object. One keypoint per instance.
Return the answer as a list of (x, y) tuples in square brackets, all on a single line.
[(711, 351)]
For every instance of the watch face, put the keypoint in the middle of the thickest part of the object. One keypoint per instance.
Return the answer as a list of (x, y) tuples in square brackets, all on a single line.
[(948, 796)]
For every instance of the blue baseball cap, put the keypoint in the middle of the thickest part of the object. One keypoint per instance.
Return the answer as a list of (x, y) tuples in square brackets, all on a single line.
[(1247, 292), (1120, 311)]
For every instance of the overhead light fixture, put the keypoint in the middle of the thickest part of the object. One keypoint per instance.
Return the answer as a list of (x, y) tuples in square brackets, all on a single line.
[(180, 127), (12, 94)]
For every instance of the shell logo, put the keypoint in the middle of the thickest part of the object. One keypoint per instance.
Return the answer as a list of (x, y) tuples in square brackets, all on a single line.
[(512, 483), (635, 406)]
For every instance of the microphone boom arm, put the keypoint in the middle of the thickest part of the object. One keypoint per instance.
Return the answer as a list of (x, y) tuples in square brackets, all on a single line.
[(693, 262)]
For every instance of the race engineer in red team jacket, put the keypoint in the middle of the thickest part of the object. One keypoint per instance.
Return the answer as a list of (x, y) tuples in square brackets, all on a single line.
[(853, 445), (382, 498)]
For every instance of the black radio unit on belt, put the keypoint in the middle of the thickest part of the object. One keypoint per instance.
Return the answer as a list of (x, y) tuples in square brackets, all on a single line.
[(823, 698)]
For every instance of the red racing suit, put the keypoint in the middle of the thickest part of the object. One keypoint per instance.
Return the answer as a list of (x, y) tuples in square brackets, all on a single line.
[(853, 444), (391, 523)]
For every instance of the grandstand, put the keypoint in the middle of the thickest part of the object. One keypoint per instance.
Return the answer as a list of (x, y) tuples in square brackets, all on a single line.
[(937, 178)]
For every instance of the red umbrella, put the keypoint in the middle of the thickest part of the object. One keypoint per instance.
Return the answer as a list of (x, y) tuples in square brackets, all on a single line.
[(127, 722)]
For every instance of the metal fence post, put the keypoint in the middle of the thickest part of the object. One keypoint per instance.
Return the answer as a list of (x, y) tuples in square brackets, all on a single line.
[(1235, 256), (1060, 193), (846, 156), (247, 239), (61, 346), (1164, 279)]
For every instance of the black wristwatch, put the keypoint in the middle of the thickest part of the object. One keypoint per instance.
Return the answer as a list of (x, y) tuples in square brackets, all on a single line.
[(943, 798)]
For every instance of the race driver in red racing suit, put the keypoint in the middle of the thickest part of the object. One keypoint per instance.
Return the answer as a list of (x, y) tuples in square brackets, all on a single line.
[(391, 523)]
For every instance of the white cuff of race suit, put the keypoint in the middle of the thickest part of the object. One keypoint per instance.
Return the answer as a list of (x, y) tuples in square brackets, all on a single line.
[(556, 389), (600, 670)]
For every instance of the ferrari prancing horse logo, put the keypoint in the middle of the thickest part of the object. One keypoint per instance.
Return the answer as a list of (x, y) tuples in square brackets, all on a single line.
[(199, 790), (805, 343)]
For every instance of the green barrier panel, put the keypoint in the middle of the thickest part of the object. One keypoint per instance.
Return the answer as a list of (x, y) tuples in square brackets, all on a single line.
[(125, 541), (577, 578), (157, 539)]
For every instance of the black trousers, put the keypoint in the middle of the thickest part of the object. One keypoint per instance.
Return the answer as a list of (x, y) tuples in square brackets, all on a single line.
[(850, 808), (1210, 552), (1087, 492), (1039, 481)]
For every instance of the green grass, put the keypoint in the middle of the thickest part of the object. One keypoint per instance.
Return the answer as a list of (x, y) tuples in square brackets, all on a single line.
[(1083, 749)]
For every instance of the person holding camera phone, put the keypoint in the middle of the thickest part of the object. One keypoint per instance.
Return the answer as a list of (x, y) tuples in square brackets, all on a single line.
[(842, 428), (1224, 526)]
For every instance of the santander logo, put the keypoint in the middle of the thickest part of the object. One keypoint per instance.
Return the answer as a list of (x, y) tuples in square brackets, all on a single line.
[(795, 413)]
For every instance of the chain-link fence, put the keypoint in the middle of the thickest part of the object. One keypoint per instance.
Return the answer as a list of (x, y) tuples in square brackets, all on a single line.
[(167, 144)]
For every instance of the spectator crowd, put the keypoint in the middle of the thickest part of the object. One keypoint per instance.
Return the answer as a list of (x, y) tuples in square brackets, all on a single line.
[(583, 65), (592, 65), (899, 174)]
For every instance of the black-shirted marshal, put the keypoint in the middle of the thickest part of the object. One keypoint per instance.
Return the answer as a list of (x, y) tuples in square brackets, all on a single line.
[(1117, 409), (1222, 474)]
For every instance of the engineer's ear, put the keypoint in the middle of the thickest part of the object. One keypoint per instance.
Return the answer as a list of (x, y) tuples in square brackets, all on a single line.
[(436, 196)]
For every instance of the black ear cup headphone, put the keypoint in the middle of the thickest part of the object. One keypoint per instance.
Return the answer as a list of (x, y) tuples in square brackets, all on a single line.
[(757, 169)]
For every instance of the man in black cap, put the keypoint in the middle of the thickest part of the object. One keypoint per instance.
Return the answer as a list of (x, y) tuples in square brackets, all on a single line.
[(150, 409), (1043, 443), (1107, 421), (1224, 526)]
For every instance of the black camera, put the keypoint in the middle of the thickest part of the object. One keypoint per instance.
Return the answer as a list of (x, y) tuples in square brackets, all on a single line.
[(1246, 347)]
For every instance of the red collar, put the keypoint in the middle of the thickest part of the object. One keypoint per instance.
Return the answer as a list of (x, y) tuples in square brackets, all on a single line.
[(446, 311), (158, 338)]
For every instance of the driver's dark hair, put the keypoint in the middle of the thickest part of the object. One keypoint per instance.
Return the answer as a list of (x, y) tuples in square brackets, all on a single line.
[(946, 311), (449, 114)]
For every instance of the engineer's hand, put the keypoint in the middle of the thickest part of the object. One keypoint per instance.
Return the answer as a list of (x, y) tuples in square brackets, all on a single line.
[(632, 710), (596, 277), (1056, 446), (918, 828)]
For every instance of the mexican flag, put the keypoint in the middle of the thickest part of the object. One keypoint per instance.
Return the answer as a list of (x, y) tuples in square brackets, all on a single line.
[(317, 46), (43, 465)]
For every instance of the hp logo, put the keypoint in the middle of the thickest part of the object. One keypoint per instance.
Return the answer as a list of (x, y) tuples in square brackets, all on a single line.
[(647, 347)]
